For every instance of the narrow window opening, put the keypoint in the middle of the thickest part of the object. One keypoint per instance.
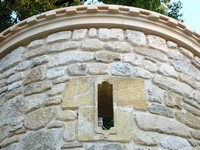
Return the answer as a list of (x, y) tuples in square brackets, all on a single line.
[(105, 106)]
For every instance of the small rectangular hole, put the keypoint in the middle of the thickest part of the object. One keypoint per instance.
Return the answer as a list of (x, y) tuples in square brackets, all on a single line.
[(181, 26), (144, 13), (7, 32), (60, 12), (123, 9), (164, 18), (21, 24), (81, 8), (102, 7), (40, 17)]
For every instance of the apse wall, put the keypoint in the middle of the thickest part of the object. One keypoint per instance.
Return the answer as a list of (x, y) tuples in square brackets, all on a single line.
[(52, 66)]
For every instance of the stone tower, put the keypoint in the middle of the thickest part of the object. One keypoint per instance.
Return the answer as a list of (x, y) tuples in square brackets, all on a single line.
[(99, 78)]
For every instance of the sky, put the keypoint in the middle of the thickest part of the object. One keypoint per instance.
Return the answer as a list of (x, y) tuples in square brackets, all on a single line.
[(191, 13)]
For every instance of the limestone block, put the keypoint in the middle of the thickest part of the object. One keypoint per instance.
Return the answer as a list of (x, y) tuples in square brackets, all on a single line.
[(136, 38), (39, 60), (13, 93), (155, 94), (53, 101), (186, 52), (92, 45), (77, 69), (8, 60), (111, 34), (152, 53), (189, 80), (37, 87), (23, 65), (66, 115), (55, 72), (39, 118), (195, 134), (191, 102), (40, 139), (104, 56), (55, 124), (139, 72), (68, 57), (92, 32), (10, 141), (171, 44), (182, 64), (167, 70), (122, 47), (15, 77), (106, 147), (173, 85), (121, 69), (98, 68), (132, 59), (157, 43), (35, 44), (130, 92), (35, 74), (188, 119), (58, 47), (39, 51), (79, 34), (69, 134), (57, 89), (150, 66), (161, 124), (160, 110), (174, 143), (173, 100), (4, 132), (33, 102), (146, 138), (7, 73), (14, 85), (79, 92), (59, 36), (192, 110)]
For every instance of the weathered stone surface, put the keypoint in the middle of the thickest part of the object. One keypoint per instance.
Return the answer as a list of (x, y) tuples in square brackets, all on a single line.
[(157, 43), (191, 102), (58, 47), (167, 70), (10, 141), (110, 34), (13, 146), (196, 62), (39, 60), (173, 100), (195, 134), (7, 73), (79, 92), (53, 101), (35, 52), (171, 44), (152, 53), (104, 56), (146, 138), (155, 94), (118, 46), (189, 80), (132, 59), (161, 124), (176, 143), (35, 44), (15, 77), (192, 110), (69, 57), (77, 69), (23, 65), (92, 45), (55, 124), (173, 85), (33, 102), (182, 64), (98, 68), (150, 66), (40, 140), (161, 110), (121, 69), (79, 34), (13, 93), (136, 38), (55, 72), (186, 52), (59, 36), (15, 85), (69, 134), (37, 87), (39, 118), (61, 79), (188, 119), (130, 92), (8, 60), (139, 72), (106, 147), (36, 74), (92, 32), (57, 89), (66, 115)]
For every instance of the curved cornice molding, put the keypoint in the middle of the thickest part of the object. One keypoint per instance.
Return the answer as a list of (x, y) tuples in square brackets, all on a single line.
[(95, 16)]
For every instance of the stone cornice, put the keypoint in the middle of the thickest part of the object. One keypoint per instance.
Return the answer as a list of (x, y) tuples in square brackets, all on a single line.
[(95, 16)]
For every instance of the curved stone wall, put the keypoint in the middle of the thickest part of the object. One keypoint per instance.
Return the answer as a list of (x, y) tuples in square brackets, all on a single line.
[(51, 66)]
